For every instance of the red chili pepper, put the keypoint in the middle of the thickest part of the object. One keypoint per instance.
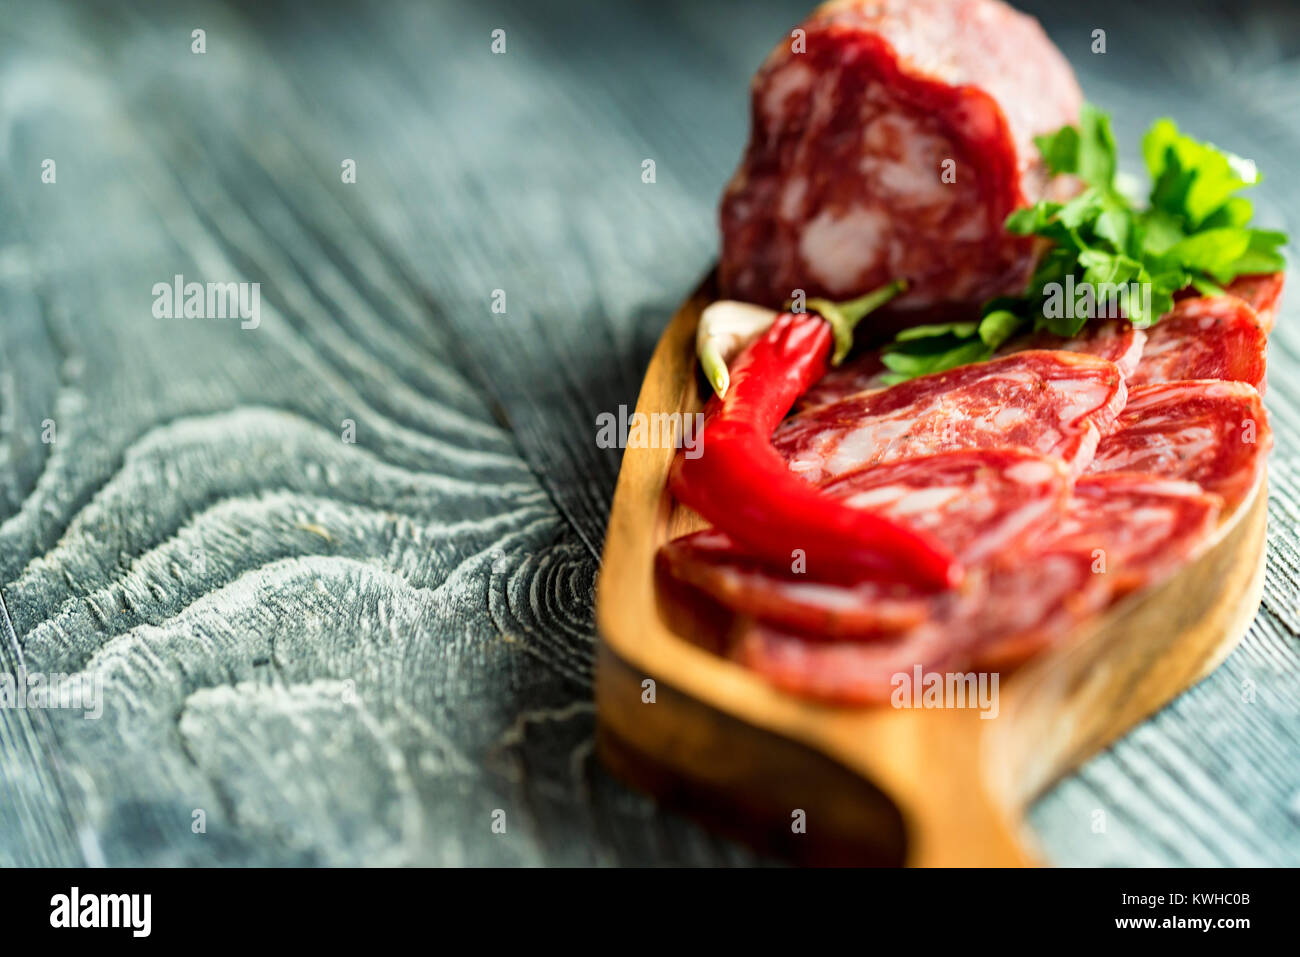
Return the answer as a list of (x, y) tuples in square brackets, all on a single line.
[(740, 484)]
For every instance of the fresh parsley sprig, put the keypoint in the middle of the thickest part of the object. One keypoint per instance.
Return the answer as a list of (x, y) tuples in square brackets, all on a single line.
[(1193, 232)]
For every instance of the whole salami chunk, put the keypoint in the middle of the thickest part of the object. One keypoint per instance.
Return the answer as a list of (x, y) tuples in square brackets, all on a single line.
[(1217, 337), (1053, 403), (1263, 292), (891, 140), (1137, 527), (977, 503), (1210, 432)]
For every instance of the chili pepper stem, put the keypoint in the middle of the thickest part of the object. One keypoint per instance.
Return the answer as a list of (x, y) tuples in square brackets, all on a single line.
[(844, 316)]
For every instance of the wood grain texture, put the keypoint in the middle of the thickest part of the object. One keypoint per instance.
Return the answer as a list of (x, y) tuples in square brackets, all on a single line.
[(354, 653)]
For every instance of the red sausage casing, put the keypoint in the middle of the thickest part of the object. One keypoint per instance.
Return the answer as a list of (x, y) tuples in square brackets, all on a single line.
[(890, 140)]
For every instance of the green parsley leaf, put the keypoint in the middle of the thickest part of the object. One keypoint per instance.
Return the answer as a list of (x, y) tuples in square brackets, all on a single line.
[(1060, 150), (962, 330), (1097, 159), (1212, 251), (998, 326), (1087, 151), (1191, 179), (1261, 255), (923, 356)]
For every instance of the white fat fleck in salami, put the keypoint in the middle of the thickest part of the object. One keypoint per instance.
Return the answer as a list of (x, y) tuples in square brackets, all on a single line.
[(1211, 432), (838, 246), (1052, 403), (901, 158), (792, 195), (794, 79), (1217, 337), (977, 503)]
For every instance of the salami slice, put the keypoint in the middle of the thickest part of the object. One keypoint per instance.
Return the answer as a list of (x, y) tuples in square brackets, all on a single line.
[(1034, 600), (1119, 532), (1006, 614), (978, 503), (1264, 294), (1216, 337), (865, 373), (890, 140), (858, 673), (1115, 339), (712, 562), (1136, 527), (1055, 403), (1210, 432)]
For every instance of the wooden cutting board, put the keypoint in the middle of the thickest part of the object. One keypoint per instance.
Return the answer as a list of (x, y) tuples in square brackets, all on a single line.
[(832, 785)]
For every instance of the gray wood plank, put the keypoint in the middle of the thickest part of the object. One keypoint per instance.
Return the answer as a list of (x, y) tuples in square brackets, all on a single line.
[(338, 652)]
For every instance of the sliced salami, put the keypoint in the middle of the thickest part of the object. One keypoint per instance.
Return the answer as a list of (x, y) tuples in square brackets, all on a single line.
[(1264, 294), (1005, 614), (1136, 527), (858, 673), (1211, 432), (873, 156), (1034, 600), (712, 562), (977, 503), (1053, 403), (1215, 337), (865, 373), (1115, 339), (1120, 532)]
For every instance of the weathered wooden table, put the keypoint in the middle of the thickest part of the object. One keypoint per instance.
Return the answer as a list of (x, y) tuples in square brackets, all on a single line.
[(333, 574)]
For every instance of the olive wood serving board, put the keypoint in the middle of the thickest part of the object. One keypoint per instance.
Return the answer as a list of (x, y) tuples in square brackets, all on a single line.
[(835, 785)]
